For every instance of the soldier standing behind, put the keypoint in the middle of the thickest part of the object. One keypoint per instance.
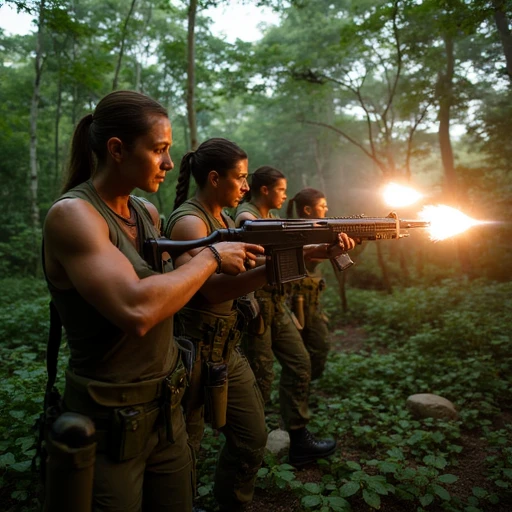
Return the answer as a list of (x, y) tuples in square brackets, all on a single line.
[(124, 369), (310, 203), (222, 381), (277, 334)]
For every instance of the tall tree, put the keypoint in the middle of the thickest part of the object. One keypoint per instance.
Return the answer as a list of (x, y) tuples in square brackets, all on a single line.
[(502, 24), (34, 107), (124, 33), (191, 77)]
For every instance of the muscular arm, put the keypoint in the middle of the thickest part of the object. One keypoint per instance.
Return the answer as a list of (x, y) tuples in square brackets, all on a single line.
[(218, 288), (80, 255)]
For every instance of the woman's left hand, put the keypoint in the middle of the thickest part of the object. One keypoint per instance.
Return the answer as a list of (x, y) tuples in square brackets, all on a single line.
[(328, 251)]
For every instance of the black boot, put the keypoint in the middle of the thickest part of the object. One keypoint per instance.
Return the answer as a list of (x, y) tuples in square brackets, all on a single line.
[(304, 448)]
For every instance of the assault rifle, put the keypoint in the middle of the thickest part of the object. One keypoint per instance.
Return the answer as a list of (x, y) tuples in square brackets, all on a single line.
[(284, 239)]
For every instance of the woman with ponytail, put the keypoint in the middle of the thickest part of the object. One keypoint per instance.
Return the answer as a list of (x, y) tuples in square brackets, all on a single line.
[(310, 203), (223, 390), (276, 334), (118, 312)]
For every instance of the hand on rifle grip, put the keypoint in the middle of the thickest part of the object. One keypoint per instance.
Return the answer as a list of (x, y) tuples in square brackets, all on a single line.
[(237, 257)]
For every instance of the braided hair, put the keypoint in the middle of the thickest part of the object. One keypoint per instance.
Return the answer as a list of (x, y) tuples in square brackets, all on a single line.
[(215, 154)]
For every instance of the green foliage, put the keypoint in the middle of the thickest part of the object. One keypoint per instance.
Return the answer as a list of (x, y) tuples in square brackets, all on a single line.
[(450, 340), (360, 400), (23, 332), (281, 476)]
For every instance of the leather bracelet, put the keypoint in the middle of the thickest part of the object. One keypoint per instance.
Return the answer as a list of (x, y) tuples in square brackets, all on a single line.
[(217, 258)]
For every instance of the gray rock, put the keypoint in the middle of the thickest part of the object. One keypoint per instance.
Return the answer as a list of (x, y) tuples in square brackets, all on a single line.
[(428, 405), (278, 442)]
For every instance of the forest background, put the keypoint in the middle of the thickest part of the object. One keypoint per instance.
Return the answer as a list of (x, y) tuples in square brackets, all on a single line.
[(343, 96)]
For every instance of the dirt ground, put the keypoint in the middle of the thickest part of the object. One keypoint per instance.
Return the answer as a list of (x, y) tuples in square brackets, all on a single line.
[(470, 470)]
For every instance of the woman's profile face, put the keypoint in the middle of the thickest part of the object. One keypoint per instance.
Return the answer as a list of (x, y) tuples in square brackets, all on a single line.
[(148, 160), (233, 186), (276, 194), (319, 209)]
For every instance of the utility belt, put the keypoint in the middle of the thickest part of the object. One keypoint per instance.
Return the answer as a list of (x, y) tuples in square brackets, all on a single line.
[(215, 337), (311, 288), (125, 415), (276, 294)]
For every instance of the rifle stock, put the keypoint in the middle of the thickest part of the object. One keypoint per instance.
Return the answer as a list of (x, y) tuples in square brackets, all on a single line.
[(284, 239)]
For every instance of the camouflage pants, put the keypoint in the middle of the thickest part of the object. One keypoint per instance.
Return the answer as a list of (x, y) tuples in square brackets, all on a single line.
[(316, 342), (245, 432), (315, 332), (282, 340)]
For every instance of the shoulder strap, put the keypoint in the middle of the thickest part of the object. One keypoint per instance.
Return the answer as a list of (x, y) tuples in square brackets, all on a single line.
[(53, 346)]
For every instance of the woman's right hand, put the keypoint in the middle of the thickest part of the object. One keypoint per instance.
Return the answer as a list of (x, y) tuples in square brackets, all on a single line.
[(237, 256)]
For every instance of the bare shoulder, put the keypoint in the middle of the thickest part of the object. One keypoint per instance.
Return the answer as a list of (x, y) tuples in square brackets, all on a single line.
[(155, 216), (244, 216), (189, 227), (72, 219)]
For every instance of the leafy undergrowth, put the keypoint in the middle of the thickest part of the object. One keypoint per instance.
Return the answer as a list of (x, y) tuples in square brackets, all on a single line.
[(452, 340)]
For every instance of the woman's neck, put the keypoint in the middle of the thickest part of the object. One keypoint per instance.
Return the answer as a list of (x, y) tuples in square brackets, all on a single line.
[(210, 204), (112, 195), (261, 205)]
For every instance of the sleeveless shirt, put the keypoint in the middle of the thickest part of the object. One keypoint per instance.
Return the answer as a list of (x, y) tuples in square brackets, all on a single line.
[(99, 349), (193, 207), (253, 209)]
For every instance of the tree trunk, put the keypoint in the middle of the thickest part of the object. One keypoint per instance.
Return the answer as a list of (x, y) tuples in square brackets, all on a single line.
[(383, 269), (34, 207), (501, 20), (191, 51), (319, 166), (445, 97), (57, 140), (121, 50), (144, 51)]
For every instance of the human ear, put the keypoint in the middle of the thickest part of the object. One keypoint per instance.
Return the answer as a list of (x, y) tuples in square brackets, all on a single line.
[(213, 178), (264, 190), (115, 148), (307, 210)]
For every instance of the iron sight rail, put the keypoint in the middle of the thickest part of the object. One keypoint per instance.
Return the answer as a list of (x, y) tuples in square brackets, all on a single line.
[(284, 239)]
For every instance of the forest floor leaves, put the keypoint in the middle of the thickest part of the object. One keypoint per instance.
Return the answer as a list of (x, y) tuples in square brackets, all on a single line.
[(470, 470)]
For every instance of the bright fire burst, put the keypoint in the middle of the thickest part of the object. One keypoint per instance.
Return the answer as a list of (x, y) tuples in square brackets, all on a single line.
[(446, 221), (398, 195)]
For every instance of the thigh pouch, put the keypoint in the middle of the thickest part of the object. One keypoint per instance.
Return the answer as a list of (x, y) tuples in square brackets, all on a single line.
[(125, 415), (216, 337)]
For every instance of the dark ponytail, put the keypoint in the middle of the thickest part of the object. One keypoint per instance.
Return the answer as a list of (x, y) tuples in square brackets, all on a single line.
[(81, 161), (289, 208), (122, 114), (306, 197), (263, 176), (183, 179), (215, 154)]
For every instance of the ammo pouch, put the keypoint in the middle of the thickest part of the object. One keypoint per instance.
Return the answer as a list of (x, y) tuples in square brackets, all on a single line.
[(216, 393), (271, 299), (248, 307), (125, 415), (215, 337)]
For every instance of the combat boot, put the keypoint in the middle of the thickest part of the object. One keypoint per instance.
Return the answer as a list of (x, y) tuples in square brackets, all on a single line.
[(304, 448)]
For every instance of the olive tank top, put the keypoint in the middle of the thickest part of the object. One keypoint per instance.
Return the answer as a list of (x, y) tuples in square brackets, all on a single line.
[(99, 349), (193, 207)]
